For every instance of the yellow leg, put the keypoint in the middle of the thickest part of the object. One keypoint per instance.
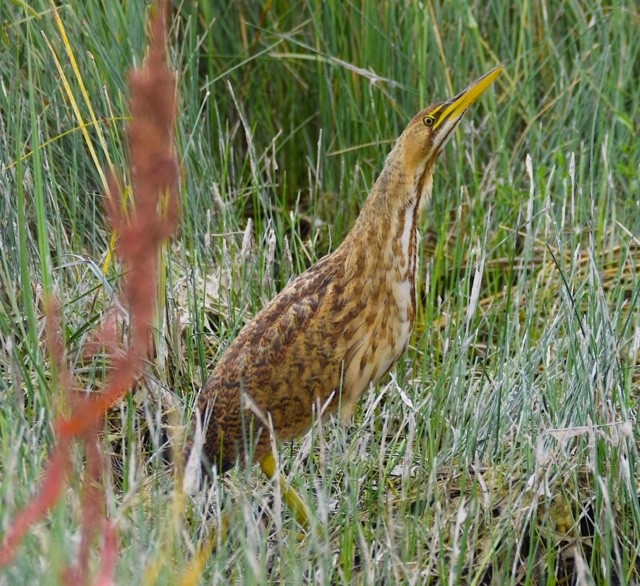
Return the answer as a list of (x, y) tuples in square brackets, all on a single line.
[(195, 568), (298, 508), (193, 572)]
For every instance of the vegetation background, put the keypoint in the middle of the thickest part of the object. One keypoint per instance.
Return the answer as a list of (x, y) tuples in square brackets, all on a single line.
[(504, 447)]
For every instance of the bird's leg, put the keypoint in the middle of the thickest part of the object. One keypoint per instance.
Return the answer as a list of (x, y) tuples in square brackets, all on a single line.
[(296, 505), (298, 508), (192, 574), (194, 570)]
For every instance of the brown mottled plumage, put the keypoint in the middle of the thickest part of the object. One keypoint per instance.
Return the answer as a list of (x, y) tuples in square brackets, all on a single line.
[(341, 325)]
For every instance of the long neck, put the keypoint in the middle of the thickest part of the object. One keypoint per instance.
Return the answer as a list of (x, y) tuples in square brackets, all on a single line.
[(383, 240)]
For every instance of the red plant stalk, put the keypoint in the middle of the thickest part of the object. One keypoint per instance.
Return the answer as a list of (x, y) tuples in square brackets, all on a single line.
[(141, 231)]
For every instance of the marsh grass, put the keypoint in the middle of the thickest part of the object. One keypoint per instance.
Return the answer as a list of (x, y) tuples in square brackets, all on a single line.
[(503, 448)]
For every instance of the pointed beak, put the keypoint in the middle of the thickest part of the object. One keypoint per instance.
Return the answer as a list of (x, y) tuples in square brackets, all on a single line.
[(452, 110)]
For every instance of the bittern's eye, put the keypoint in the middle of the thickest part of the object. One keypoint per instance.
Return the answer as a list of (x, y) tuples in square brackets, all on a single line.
[(429, 120)]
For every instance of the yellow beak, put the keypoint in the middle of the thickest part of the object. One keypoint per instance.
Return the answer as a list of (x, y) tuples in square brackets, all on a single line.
[(455, 107)]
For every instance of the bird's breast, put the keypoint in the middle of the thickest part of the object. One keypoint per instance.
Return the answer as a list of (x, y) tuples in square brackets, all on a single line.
[(388, 314), (401, 276)]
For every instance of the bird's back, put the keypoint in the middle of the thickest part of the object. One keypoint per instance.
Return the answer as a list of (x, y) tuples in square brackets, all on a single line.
[(328, 335), (282, 362)]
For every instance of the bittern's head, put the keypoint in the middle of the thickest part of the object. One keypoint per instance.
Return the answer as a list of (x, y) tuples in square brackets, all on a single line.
[(429, 130)]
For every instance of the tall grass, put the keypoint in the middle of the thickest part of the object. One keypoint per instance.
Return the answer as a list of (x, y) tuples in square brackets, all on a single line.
[(504, 447)]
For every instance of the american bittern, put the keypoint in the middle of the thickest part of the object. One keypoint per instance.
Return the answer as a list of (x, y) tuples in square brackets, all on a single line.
[(340, 326)]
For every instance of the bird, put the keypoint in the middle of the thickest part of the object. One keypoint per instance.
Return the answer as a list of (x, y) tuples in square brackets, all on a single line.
[(340, 326)]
